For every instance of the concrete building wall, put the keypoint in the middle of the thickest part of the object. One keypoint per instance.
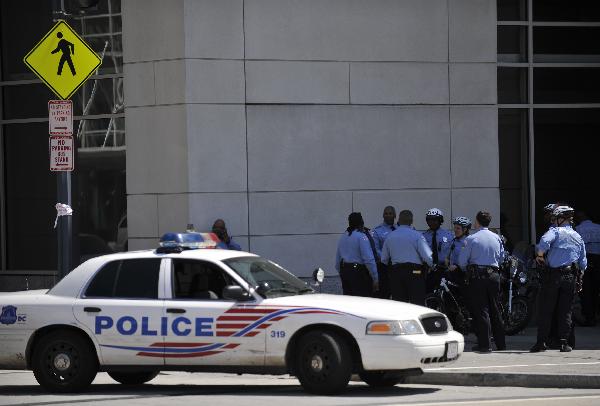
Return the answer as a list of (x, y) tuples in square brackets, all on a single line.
[(282, 116)]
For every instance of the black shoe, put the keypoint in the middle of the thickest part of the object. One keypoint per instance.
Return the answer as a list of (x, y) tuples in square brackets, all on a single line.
[(480, 350), (538, 347), (564, 347)]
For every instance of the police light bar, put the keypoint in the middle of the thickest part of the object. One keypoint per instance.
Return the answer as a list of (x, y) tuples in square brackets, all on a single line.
[(176, 242)]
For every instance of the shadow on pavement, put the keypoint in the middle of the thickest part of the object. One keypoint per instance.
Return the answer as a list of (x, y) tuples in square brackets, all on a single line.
[(99, 392)]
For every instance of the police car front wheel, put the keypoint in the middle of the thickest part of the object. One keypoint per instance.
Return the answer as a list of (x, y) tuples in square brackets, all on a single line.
[(64, 361), (323, 363), (133, 378)]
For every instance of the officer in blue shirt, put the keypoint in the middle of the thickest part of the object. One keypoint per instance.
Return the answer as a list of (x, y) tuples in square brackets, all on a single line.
[(405, 250), (565, 260), (439, 241), (355, 260), (590, 233), (221, 231), (481, 257), (462, 225), (380, 233)]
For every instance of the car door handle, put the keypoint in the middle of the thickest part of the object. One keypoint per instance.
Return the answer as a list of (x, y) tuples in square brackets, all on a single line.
[(175, 310), (92, 309)]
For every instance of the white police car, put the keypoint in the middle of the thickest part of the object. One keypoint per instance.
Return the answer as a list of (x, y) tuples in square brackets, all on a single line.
[(135, 314)]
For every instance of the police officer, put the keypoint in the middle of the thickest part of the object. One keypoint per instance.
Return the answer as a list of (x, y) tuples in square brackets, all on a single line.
[(481, 257), (565, 251), (590, 233), (380, 233), (405, 250), (462, 225), (355, 260), (439, 240), (220, 230)]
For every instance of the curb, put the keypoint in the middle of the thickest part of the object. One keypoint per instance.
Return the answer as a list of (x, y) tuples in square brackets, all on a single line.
[(507, 379)]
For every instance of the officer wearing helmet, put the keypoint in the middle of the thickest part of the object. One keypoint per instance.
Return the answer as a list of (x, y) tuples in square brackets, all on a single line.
[(355, 260), (462, 225), (481, 257), (439, 240), (561, 251)]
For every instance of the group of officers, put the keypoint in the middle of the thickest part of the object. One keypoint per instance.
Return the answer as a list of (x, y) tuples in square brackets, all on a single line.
[(394, 260)]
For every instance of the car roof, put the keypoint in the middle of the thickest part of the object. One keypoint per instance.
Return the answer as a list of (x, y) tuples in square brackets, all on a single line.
[(71, 285)]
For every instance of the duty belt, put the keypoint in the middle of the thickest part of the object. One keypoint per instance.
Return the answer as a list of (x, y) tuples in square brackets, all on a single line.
[(562, 269), (480, 271), (415, 269), (352, 265)]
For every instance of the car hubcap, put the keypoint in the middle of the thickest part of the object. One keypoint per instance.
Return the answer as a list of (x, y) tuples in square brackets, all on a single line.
[(316, 363), (62, 362)]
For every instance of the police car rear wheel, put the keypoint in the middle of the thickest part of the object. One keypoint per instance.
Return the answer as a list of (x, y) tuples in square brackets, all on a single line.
[(133, 378), (381, 379), (323, 363), (64, 362)]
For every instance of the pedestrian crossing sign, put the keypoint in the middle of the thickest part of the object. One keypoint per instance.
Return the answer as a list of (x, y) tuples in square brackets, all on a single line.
[(62, 60)]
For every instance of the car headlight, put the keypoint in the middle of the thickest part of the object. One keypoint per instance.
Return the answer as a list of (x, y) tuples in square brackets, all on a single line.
[(396, 328)]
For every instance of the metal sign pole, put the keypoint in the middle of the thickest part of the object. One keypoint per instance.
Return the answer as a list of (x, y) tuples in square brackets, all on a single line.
[(65, 225)]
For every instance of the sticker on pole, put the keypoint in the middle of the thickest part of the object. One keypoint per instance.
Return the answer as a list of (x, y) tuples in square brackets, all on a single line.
[(60, 115), (62, 60), (61, 153)]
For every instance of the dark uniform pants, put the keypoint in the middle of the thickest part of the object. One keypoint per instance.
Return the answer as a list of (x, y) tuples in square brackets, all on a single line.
[(407, 283), (384, 281), (556, 299), (591, 288), (484, 290), (356, 280)]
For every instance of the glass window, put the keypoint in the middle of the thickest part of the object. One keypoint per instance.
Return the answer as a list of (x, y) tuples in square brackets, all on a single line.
[(512, 10), (103, 284), (512, 85), (275, 280), (512, 43), (514, 197), (566, 44), (560, 10), (566, 85), (575, 131), (199, 280), (138, 279)]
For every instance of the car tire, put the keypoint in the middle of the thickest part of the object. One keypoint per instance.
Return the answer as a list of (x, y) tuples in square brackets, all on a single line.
[(323, 363), (133, 378), (381, 379), (64, 362)]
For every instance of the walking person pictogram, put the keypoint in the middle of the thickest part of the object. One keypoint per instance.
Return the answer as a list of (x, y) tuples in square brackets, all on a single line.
[(67, 49)]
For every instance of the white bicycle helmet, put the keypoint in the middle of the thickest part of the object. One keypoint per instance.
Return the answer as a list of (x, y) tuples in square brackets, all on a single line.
[(434, 213), (549, 208), (563, 211), (462, 221)]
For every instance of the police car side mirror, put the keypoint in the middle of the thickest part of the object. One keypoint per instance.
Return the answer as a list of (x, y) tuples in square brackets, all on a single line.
[(262, 288), (319, 275), (235, 292)]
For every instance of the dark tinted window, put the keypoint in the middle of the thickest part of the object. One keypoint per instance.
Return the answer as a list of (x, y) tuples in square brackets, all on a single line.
[(199, 280), (135, 279), (138, 279), (103, 283)]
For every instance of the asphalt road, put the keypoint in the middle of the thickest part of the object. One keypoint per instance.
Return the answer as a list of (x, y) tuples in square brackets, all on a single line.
[(179, 388)]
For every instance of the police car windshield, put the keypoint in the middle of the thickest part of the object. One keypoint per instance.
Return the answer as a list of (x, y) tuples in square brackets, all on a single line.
[(260, 272)]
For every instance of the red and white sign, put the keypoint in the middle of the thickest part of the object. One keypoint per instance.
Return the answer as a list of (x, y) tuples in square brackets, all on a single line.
[(60, 115), (61, 153)]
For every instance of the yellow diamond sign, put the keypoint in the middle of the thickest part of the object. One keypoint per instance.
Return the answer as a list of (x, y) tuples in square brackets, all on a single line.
[(62, 60)]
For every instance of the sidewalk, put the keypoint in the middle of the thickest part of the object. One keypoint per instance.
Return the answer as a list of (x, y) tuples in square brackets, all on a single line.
[(518, 367)]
